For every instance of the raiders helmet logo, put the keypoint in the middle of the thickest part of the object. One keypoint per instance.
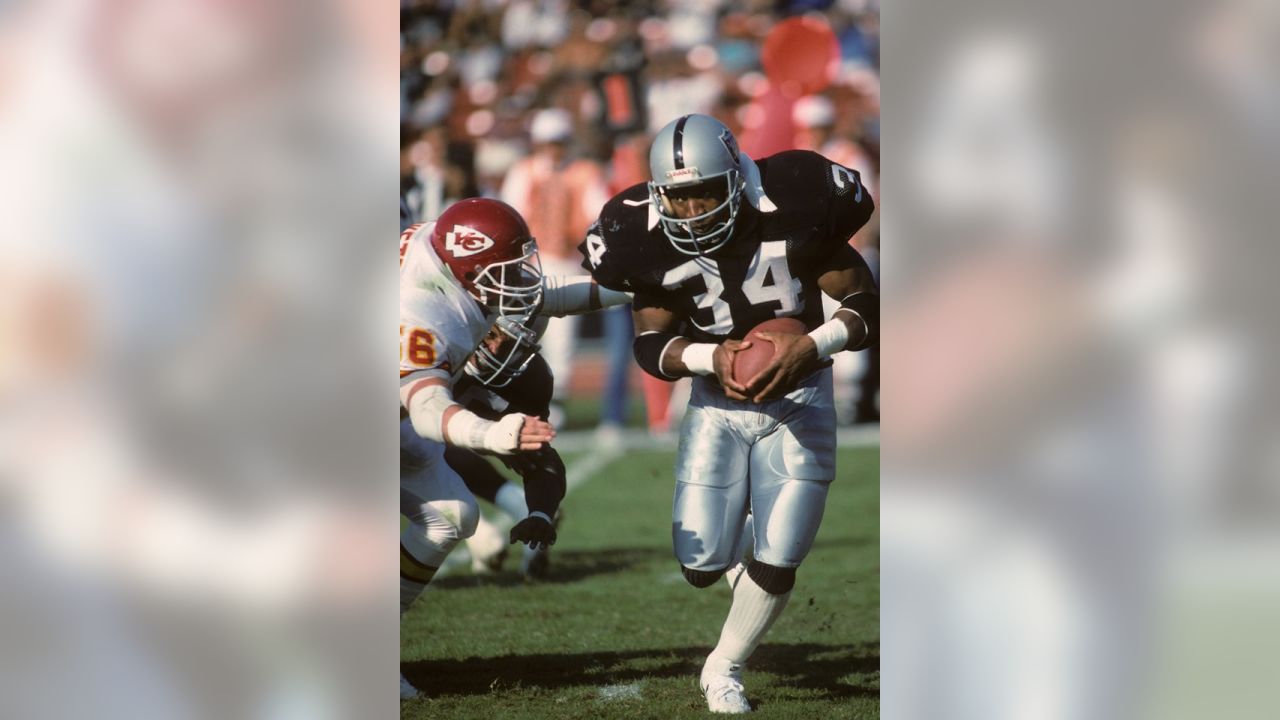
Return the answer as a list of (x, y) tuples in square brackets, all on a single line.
[(463, 241)]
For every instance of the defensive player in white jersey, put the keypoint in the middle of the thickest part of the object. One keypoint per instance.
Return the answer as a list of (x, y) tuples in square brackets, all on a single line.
[(475, 263), (714, 245)]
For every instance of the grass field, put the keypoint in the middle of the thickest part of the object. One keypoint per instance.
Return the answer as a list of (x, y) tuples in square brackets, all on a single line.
[(615, 632)]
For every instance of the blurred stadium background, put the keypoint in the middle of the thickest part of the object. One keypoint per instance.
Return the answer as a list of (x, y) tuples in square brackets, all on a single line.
[(486, 87)]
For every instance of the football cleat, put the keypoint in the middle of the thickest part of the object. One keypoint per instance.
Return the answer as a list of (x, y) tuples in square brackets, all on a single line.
[(721, 682), (488, 548), (488, 564)]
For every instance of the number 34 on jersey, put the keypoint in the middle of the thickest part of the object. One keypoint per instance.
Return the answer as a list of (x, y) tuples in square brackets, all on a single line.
[(768, 281)]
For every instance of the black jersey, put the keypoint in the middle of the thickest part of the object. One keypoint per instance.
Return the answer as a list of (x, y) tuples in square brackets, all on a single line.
[(768, 269), (542, 470), (529, 393)]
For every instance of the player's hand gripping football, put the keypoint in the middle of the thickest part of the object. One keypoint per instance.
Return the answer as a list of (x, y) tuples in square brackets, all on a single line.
[(794, 357), (534, 531), (722, 361)]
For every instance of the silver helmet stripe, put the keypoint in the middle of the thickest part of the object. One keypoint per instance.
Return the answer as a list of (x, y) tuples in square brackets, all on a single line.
[(678, 138)]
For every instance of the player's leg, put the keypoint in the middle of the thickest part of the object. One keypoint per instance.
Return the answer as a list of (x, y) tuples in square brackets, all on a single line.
[(710, 503), (791, 471), (488, 546), (440, 509), (710, 508), (746, 547)]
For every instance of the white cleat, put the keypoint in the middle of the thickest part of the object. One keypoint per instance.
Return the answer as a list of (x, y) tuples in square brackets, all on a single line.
[(722, 684), (488, 564), (488, 548), (407, 690)]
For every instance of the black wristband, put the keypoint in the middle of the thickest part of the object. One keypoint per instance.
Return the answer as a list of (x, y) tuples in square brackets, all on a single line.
[(648, 349), (867, 307)]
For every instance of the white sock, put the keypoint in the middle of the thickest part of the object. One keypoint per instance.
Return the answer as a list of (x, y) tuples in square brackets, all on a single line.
[(510, 498), (734, 574), (750, 617)]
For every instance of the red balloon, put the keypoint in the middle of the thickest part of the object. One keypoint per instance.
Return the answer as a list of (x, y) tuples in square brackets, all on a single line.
[(801, 56)]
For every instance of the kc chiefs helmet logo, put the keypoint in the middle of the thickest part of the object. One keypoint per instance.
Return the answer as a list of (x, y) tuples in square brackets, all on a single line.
[(463, 241)]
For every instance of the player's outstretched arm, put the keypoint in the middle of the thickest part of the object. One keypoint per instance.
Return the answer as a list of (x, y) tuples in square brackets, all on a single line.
[(853, 326), (667, 356), (429, 401), (577, 294)]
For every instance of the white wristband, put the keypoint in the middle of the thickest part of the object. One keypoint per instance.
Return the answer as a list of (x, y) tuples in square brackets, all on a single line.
[(699, 358), (542, 515), (503, 437), (830, 337), (466, 429)]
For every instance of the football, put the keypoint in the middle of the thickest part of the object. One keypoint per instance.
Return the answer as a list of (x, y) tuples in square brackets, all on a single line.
[(752, 360)]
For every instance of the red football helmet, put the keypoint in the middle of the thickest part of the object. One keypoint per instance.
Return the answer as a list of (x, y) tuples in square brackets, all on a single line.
[(486, 245)]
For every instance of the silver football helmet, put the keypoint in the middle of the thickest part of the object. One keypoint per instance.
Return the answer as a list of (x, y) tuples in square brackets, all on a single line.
[(506, 351), (697, 183)]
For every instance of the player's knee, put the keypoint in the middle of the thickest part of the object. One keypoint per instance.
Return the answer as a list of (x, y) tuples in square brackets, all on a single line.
[(468, 518), (701, 578), (451, 521), (771, 578)]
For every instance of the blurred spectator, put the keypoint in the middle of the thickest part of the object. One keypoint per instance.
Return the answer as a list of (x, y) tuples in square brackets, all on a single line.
[(857, 375), (559, 197)]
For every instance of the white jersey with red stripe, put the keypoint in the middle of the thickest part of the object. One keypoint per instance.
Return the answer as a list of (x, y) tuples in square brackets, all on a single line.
[(440, 323)]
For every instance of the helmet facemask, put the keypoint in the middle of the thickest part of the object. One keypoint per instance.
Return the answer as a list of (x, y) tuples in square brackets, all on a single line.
[(504, 354), (511, 287), (690, 231)]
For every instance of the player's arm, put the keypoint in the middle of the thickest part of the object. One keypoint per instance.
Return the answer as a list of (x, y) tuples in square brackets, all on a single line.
[(427, 397), (577, 294), (853, 326), (544, 487), (665, 354)]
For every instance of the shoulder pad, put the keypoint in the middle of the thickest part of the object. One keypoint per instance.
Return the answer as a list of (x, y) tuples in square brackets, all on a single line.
[(624, 245), (820, 203)]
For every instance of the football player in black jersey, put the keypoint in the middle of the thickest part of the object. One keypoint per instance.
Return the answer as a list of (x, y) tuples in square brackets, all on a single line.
[(715, 244), (506, 374)]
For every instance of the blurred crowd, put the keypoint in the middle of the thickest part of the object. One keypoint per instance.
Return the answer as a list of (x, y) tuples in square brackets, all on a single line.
[(550, 105)]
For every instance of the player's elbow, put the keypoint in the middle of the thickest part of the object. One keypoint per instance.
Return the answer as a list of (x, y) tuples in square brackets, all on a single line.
[(648, 349), (863, 319)]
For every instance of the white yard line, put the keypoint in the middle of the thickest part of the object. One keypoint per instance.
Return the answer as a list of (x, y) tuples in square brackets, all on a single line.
[(584, 469), (625, 691)]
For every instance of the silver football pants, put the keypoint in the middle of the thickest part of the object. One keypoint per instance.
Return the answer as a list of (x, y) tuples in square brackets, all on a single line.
[(775, 460)]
